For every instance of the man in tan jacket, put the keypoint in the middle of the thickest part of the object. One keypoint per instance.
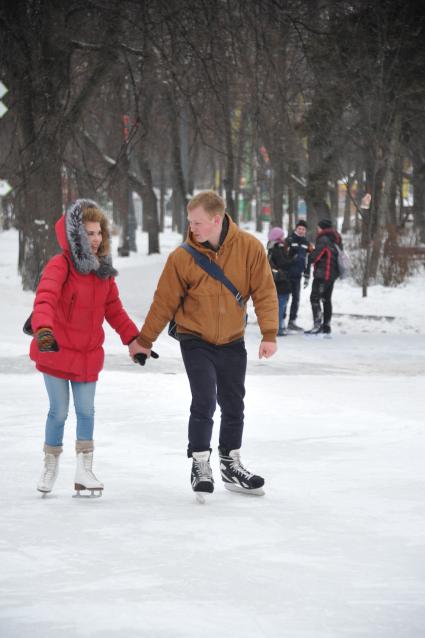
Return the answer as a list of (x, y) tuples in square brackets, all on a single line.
[(210, 328)]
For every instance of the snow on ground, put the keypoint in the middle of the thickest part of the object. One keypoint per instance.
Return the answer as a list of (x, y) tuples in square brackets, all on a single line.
[(335, 548)]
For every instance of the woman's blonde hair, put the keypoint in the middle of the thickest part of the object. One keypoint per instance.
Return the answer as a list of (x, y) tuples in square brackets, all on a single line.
[(92, 214)]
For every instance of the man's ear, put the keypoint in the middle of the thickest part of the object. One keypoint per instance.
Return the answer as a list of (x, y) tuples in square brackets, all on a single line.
[(217, 219)]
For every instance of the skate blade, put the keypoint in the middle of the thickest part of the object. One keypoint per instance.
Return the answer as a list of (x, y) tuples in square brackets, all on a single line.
[(232, 487), (44, 493), (202, 497), (95, 492)]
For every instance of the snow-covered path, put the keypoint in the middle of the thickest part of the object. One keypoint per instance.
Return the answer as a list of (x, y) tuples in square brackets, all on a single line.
[(335, 549)]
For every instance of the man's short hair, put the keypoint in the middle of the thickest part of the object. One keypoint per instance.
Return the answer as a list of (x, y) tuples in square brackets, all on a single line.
[(210, 201)]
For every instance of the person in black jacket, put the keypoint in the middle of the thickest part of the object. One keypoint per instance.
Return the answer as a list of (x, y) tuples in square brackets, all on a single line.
[(298, 249), (324, 259), (280, 263)]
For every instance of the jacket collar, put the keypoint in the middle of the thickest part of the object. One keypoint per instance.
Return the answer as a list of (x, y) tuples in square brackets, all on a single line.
[(331, 233), (228, 233)]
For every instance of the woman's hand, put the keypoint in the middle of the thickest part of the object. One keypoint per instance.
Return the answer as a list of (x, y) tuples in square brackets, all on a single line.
[(46, 341)]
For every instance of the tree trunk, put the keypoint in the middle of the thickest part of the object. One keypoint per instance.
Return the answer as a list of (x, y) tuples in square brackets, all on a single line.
[(162, 191), (40, 206), (179, 185), (144, 188), (383, 217), (277, 190), (346, 222), (419, 194), (291, 206), (334, 208)]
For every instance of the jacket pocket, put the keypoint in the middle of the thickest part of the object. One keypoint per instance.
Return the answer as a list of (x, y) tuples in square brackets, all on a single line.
[(71, 307)]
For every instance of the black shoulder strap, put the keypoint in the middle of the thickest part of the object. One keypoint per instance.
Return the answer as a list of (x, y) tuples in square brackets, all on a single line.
[(214, 271)]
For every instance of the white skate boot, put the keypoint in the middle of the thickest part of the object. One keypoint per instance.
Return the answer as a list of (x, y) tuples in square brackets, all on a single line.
[(84, 476), (50, 470)]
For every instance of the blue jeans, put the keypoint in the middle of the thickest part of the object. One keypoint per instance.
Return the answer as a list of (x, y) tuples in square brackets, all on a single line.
[(58, 391), (283, 300)]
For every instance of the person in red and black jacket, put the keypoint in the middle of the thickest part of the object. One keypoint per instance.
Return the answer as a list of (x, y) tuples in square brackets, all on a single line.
[(324, 260)]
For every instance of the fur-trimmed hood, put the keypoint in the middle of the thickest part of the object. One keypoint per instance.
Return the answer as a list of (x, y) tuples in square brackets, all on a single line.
[(73, 239)]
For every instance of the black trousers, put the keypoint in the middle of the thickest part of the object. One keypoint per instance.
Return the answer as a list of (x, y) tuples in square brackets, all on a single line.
[(216, 375), (321, 293), (295, 298)]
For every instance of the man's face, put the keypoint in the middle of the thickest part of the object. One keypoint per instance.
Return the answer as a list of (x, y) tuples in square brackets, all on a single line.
[(203, 227), (301, 231)]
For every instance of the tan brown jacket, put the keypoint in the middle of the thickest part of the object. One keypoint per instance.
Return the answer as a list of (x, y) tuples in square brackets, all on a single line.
[(201, 305)]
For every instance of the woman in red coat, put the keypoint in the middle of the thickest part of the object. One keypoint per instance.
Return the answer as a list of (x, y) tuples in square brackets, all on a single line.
[(77, 291)]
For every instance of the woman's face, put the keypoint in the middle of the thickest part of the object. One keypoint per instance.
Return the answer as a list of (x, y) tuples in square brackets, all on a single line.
[(94, 234)]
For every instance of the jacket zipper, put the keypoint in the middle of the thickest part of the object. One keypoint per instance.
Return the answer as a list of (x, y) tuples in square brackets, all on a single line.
[(218, 303), (91, 332), (71, 306)]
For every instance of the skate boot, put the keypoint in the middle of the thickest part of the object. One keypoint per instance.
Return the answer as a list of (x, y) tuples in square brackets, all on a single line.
[(84, 477), (236, 478), (326, 331), (282, 332), (201, 475), (316, 329), (50, 470), (292, 327)]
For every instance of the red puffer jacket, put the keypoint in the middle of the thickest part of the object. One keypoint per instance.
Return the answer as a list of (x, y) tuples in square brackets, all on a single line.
[(74, 299)]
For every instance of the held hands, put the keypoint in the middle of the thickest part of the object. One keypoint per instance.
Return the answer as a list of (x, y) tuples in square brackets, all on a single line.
[(139, 354), (141, 357), (267, 349), (46, 341)]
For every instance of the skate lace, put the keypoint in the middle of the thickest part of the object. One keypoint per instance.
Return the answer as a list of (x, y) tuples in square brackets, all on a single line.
[(49, 467), (88, 467), (203, 469), (237, 467)]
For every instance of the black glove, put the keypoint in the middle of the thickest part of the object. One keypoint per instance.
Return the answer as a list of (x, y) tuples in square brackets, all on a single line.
[(141, 357), (46, 341)]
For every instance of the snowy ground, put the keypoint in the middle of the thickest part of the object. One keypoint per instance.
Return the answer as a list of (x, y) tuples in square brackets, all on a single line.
[(335, 548)]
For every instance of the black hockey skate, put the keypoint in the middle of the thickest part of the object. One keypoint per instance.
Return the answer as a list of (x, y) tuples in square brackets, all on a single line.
[(201, 475), (236, 478), (293, 328), (315, 330), (326, 331), (321, 330)]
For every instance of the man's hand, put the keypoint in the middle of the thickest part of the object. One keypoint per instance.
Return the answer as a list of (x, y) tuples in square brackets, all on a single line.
[(267, 349), (306, 280)]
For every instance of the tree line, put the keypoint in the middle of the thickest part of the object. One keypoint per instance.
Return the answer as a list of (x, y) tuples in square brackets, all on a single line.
[(272, 101)]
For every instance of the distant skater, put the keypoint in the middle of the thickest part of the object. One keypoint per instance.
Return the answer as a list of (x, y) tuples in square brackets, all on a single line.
[(324, 260)]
